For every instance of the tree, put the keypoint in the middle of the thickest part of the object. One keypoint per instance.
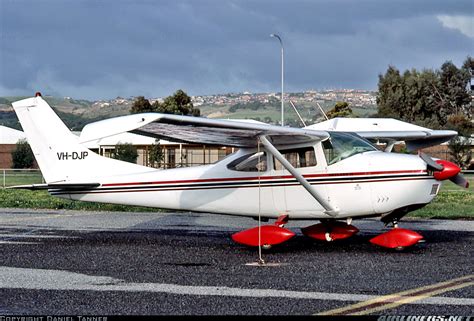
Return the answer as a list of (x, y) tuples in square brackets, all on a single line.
[(459, 147), (125, 152), (426, 98), (179, 103), (340, 109), (390, 94), (460, 150), (141, 105), (22, 156), (155, 154)]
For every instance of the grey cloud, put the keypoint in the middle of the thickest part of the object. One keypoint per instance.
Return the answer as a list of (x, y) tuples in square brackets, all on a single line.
[(100, 49)]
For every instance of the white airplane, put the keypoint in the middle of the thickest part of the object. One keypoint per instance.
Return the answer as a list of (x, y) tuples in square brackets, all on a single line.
[(277, 173)]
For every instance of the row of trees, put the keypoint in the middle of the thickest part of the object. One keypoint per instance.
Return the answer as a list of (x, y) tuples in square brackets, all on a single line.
[(128, 153), (432, 98), (179, 103)]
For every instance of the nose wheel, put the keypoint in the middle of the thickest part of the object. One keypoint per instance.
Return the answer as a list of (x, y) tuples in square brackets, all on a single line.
[(397, 238)]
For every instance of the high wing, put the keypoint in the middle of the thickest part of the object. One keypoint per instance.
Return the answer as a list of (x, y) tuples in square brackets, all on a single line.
[(187, 129), (415, 137)]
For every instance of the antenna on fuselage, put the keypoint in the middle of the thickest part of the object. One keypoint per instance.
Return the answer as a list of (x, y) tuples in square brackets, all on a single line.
[(297, 113), (322, 111)]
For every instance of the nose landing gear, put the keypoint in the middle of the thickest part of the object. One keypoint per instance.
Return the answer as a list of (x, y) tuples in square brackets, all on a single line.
[(397, 238)]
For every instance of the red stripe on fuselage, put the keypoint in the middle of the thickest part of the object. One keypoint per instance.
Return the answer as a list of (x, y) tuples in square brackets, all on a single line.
[(233, 179), (190, 187)]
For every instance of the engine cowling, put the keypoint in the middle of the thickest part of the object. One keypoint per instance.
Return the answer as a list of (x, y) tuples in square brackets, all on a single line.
[(449, 170)]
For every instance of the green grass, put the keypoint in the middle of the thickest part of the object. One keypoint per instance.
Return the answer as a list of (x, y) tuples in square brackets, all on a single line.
[(449, 205), (42, 200), (452, 202), (13, 178)]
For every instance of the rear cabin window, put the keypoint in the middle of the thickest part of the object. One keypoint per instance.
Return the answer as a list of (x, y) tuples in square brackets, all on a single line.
[(250, 163), (299, 157)]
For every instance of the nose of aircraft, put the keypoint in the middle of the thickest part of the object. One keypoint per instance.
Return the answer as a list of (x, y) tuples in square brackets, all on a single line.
[(443, 169), (449, 170)]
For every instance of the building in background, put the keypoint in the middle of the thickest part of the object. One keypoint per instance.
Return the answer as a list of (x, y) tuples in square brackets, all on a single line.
[(174, 154), (8, 139)]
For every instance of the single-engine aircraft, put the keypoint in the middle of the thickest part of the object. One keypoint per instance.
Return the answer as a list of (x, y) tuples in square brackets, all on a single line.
[(321, 172)]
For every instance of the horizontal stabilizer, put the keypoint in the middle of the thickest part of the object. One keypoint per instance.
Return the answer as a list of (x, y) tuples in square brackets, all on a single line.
[(63, 186)]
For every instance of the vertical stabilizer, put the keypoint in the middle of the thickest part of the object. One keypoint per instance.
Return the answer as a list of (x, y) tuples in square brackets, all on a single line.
[(60, 156)]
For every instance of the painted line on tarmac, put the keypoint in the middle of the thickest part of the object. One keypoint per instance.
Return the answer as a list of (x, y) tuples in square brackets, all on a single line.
[(43, 217), (8, 238), (405, 297), (41, 279)]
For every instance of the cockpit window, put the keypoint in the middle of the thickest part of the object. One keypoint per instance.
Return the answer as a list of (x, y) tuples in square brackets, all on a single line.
[(341, 145), (250, 163)]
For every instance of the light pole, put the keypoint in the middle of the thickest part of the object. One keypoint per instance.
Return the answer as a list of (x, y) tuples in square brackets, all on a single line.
[(282, 77)]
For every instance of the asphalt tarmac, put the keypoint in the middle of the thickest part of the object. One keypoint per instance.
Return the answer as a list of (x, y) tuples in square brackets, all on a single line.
[(102, 263)]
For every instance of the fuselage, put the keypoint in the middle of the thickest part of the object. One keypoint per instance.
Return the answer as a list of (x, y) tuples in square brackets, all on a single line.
[(251, 182)]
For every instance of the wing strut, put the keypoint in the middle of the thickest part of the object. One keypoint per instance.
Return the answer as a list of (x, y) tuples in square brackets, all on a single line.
[(331, 211)]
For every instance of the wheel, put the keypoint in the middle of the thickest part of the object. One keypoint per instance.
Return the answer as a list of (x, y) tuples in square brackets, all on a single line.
[(266, 246)]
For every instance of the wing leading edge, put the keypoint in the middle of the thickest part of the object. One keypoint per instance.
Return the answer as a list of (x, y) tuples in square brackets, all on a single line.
[(187, 129)]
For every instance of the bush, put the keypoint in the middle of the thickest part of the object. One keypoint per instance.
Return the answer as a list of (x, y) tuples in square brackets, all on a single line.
[(22, 156), (126, 152)]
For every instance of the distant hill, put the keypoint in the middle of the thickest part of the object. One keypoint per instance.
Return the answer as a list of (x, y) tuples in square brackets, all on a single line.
[(265, 107)]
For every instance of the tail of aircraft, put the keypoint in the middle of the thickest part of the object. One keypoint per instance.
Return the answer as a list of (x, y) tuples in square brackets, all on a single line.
[(58, 152)]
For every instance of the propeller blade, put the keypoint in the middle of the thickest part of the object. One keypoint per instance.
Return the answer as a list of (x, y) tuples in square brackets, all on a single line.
[(430, 162), (460, 180)]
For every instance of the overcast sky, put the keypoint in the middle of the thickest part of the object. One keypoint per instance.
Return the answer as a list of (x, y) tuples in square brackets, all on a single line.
[(103, 49)]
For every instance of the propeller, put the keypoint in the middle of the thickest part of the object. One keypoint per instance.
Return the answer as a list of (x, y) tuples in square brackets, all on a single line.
[(445, 170), (431, 162), (460, 180)]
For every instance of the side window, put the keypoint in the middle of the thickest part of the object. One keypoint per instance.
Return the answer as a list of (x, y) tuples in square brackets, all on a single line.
[(250, 163), (300, 157), (332, 155)]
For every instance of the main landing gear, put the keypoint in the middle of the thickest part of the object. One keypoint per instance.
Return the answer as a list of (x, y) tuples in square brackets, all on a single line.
[(397, 238), (275, 234), (327, 231), (330, 231), (265, 235)]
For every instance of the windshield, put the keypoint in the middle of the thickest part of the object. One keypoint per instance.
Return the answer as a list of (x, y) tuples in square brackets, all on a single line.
[(341, 145)]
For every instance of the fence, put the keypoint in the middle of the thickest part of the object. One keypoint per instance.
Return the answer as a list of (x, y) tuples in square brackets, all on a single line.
[(12, 177)]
